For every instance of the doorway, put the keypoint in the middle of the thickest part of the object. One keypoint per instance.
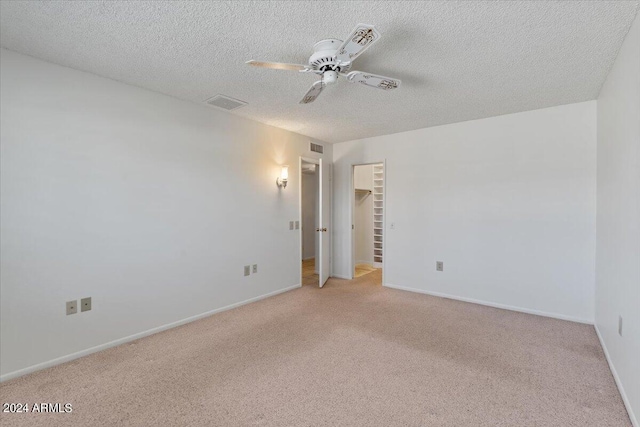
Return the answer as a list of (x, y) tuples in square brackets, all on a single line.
[(368, 220), (309, 222), (322, 244)]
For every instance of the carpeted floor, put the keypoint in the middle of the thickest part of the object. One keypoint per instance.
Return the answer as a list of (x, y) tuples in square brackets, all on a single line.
[(350, 354)]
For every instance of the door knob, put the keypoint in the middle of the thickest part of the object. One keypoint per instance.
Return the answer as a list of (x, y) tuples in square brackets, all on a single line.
[(324, 230)]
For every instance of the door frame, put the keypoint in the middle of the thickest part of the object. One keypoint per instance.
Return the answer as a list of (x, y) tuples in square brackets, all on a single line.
[(352, 209), (317, 163)]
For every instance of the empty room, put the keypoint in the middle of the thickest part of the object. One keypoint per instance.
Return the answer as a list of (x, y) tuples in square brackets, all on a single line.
[(320, 213)]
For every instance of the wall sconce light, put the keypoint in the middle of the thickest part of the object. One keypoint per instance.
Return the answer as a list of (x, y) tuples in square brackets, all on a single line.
[(281, 181)]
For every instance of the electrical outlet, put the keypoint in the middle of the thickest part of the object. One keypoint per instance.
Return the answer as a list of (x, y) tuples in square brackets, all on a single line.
[(297, 225), (290, 225), (439, 266), (620, 325), (85, 304), (72, 307), (247, 270), (255, 268)]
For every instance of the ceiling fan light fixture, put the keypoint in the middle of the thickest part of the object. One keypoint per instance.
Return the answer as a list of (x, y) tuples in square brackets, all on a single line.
[(332, 58), (329, 77)]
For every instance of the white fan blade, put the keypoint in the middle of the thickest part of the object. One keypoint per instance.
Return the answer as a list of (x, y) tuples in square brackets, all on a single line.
[(277, 65), (381, 82), (358, 41), (313, 92)]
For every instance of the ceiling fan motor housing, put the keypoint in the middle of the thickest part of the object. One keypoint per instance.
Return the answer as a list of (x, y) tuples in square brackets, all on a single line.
[(323, 58)]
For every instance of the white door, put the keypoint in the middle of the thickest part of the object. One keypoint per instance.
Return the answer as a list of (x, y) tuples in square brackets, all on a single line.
[(323, 230)]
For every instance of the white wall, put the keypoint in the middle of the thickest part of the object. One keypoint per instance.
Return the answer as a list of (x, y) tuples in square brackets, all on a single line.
[(309, 213), (148, 204), (363, 214), (507, 203), (618, 220)]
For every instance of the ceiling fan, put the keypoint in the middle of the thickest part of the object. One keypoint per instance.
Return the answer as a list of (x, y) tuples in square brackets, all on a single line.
[(332, 58)]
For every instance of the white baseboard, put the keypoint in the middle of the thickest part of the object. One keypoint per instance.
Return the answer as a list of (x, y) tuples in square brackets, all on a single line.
[(495, 305), (308, 258), (340, 276), (365, 262), (134, 337), (625, 399)]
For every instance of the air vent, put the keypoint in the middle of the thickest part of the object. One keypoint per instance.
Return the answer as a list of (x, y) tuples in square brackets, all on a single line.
[(225, 103), (316, 148)]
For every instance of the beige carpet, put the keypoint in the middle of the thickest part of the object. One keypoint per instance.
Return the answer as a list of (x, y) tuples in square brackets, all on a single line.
[(350, 354)]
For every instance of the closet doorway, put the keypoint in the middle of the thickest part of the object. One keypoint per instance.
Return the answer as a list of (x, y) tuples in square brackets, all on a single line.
[(368, 219)]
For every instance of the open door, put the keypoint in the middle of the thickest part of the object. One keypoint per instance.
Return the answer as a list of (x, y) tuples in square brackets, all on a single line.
[(323, 230)]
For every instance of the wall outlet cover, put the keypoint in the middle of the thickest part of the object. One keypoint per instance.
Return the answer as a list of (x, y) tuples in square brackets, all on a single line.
[(439, 266), (72, 307), (255, 268), (290, 225), (297, 225), (85, 304)]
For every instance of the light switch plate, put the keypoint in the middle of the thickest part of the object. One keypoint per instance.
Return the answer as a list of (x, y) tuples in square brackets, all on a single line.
[(247, 270), (255, 268), (290, 225), (620, 325), (85, 304), (72, 307), (297, 225)]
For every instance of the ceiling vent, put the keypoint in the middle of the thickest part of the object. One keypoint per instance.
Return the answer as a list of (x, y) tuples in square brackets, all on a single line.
[(225, 103), (316, 148)]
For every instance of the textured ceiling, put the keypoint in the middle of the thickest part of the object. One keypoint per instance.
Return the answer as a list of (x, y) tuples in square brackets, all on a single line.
[(457, 60)]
